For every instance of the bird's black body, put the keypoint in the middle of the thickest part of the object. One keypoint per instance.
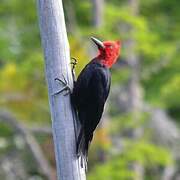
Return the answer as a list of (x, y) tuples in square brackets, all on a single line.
[(89, 96)]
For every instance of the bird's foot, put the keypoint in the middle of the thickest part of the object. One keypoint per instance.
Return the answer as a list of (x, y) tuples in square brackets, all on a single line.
[(65, 88), (73, 63)]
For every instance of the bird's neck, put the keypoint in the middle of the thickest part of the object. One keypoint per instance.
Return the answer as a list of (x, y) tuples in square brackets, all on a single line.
[(105, 60)]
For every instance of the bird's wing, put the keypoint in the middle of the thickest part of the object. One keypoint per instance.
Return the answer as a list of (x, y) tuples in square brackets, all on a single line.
[(93, 84), (99, 85), (79, 94), (90, 93)]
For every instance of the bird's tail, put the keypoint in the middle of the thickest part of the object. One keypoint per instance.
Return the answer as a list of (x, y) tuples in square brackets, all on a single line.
[(82, 148)]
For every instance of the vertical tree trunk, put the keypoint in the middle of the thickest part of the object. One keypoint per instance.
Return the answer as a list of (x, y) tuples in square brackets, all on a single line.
[(169, 172), (135, 94), (57, 61), (98, 19), (98, 12), (133, 59), (70, 17)]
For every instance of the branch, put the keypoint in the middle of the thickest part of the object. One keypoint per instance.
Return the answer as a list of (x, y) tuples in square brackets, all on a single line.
[(164, 127), (31, 142), (45, 130)]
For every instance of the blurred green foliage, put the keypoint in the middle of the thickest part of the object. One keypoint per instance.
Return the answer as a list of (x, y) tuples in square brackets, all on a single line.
[(120, 166)]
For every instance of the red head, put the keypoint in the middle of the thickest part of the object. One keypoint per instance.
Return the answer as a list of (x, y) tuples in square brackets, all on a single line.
[(108, 51)]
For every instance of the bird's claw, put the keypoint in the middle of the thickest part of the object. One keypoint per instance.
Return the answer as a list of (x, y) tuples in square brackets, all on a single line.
[(65, 88), (74, 62), (64, 81)]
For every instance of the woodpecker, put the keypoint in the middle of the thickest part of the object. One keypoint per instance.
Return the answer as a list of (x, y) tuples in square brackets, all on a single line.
[(91, 90)]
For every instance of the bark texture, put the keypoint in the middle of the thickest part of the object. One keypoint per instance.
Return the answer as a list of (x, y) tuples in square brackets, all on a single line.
[(57, 63), (134, 87), (98, 12)]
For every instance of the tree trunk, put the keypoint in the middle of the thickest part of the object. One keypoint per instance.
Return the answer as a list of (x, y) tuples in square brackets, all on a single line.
[(71, 23), (134, 87), (98, 19), (134, 84), (57, 61), (98, 12)]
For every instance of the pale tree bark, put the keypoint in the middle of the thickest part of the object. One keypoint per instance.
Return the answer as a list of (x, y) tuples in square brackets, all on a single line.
[(57, 61), (169, 172), (98, 12)]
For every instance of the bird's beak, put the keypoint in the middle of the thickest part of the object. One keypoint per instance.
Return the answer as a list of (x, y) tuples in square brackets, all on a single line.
[(99, 44)]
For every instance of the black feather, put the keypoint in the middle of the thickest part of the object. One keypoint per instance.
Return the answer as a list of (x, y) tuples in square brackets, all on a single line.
[(89, 96)]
